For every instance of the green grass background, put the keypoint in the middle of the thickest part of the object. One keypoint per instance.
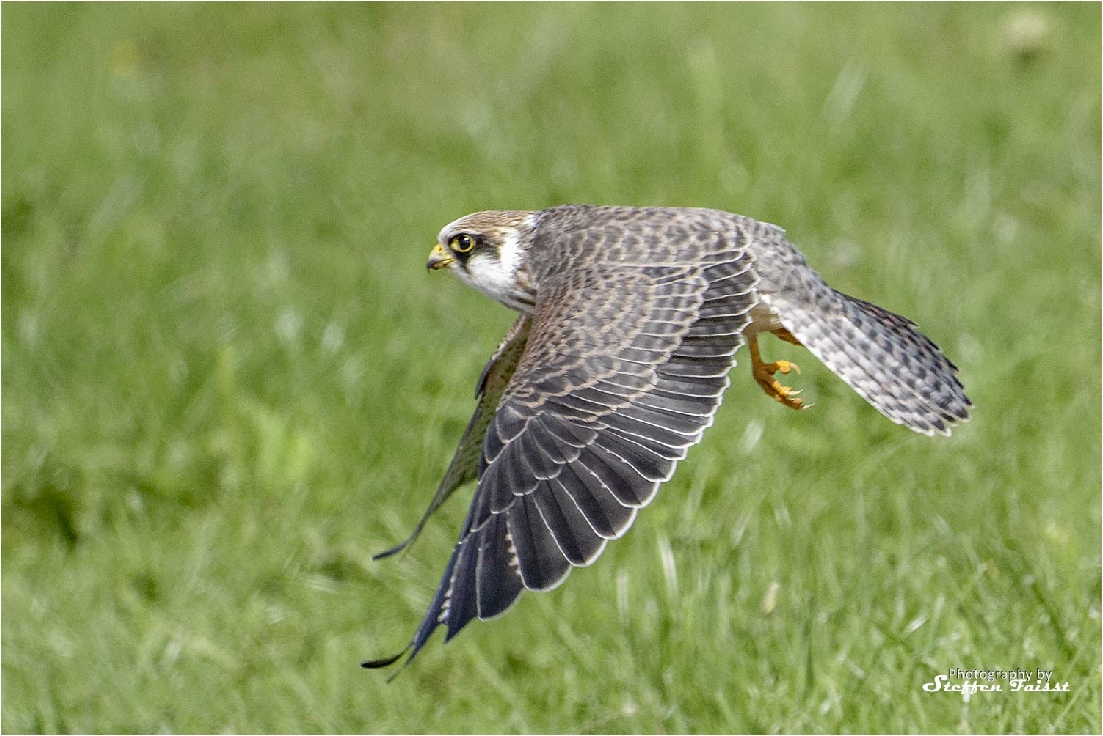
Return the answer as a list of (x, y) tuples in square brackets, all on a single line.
[(228, 379)]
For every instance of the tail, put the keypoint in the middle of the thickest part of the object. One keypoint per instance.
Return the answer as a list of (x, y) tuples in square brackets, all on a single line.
[(883, 357)]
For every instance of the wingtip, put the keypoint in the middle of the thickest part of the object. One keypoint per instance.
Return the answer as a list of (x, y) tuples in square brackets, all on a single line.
[(375, 664), (390, 552)]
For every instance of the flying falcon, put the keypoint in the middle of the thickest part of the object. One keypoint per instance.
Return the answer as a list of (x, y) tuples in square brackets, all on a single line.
[(630, 320)]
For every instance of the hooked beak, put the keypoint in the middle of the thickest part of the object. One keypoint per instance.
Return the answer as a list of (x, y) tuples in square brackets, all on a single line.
[(438, 259)]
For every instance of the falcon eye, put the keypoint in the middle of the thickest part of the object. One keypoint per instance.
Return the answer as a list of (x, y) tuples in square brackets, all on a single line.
[(462, 243)]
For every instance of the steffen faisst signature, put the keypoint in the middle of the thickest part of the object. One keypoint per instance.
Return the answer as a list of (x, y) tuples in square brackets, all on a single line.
[(970, 682)]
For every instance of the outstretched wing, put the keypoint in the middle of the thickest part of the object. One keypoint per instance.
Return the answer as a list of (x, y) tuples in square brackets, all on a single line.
[(464, 467), (635, 326)]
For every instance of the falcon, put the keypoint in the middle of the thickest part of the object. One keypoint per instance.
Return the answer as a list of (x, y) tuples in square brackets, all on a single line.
[(629, 322)]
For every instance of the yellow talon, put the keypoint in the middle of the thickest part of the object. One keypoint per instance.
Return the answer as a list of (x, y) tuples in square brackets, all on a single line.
[(782, 366), (764, 374)]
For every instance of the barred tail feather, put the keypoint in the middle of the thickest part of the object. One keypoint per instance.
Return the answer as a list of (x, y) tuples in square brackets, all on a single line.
[(885, 358)]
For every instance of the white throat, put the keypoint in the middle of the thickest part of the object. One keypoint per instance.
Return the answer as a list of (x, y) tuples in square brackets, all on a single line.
[(497, 277)]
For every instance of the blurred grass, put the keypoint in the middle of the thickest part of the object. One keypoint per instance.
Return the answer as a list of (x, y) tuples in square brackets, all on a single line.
[(228, 381)]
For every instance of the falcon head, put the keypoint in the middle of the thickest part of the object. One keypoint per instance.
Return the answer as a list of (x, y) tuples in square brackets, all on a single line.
[(488, 251)]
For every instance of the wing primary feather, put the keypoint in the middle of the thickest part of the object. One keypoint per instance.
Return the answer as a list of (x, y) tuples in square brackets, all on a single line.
[(540, 561), (499, 582)]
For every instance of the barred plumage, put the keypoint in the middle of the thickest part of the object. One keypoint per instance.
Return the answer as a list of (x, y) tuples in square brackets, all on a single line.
[(630, 321)]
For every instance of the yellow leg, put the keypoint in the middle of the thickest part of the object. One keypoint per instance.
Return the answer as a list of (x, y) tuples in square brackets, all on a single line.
[(764, 373)]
